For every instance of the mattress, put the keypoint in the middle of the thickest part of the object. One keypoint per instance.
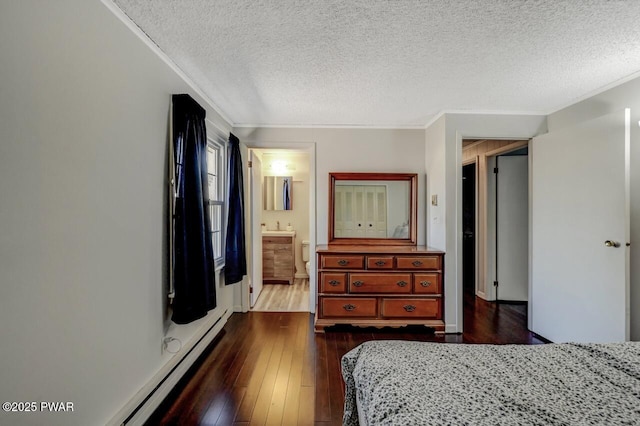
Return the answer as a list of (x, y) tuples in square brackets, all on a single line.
[(418, 383)]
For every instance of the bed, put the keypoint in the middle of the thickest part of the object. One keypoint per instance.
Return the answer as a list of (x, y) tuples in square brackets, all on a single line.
[(418, 383)]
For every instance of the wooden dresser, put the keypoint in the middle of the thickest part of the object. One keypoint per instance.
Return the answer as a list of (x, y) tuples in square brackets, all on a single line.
[(380, 286), (278, 261)]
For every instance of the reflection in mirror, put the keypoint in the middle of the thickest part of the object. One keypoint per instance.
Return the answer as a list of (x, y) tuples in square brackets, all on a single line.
[(371, 209), (276, 193)]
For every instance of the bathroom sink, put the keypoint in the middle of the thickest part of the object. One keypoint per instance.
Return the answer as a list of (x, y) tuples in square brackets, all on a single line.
[(278, 233)]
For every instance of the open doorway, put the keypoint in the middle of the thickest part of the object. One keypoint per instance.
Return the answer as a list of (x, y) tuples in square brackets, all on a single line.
[(495, 193), (479, 221), (469, 190), (279, 209)]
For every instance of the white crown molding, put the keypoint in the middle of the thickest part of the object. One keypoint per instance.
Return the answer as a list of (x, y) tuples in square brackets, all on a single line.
[(221, 132), (329, 126), (480, 112), (434, 119), (391, 127), (596, 92), (166, 59), (491, 112)]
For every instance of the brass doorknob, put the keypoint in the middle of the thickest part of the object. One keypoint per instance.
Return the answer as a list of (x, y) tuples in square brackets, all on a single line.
[(610, 243)]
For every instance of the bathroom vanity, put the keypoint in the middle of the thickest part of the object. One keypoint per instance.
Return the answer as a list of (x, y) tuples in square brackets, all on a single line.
[(278, 258)]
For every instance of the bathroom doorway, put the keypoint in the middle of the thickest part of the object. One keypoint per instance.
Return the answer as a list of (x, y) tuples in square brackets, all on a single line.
[(282, 228)]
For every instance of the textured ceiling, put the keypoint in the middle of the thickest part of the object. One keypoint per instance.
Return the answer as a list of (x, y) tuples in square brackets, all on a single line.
[(392, 63)]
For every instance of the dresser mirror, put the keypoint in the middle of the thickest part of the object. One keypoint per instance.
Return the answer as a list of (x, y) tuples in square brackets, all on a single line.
[(371, 208), (276, 193)]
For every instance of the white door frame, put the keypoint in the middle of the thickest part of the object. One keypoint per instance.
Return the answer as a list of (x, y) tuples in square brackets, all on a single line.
[(310, 149), (255, 204)]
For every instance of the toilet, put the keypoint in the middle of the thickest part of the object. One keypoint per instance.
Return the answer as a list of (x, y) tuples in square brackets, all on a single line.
[(305, 255)]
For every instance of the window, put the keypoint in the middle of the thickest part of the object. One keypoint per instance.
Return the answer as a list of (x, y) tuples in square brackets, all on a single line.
[(215, 171)]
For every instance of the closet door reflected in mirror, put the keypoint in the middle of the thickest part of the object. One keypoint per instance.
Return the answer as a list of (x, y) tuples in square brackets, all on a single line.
[(276, 193), (369, 208)]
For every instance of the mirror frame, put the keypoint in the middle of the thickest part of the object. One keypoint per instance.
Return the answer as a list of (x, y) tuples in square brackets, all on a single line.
[(411, 178)]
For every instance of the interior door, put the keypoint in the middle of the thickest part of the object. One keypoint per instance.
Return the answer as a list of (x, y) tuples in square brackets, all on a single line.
[(580, 196), (512, 227), (256, 228)]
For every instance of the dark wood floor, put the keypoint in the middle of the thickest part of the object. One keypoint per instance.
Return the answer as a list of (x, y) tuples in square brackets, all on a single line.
[(270, 367)]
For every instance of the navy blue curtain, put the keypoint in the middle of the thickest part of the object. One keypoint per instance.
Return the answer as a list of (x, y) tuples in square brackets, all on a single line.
[(235, 259), (194, 269)]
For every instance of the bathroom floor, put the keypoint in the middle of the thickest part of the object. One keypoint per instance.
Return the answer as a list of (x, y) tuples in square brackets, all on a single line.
[(284, 297)]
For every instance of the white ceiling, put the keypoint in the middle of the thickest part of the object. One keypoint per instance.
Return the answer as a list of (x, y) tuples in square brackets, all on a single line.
[(392, 63)]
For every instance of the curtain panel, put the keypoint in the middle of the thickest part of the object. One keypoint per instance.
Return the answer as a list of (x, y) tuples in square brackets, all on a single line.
[(194, 270), (235, 258)]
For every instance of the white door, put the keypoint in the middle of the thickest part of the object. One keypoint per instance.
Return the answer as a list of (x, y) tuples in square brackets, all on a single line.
[(512, 227), (580, 200), (256, 228)]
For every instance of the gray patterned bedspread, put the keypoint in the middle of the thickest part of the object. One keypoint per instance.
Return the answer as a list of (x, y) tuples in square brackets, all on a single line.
[(417, 383)]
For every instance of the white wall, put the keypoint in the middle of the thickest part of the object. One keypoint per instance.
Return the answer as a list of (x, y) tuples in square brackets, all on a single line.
[(84, 108), (444, 170), (620, 97), (435, 162)]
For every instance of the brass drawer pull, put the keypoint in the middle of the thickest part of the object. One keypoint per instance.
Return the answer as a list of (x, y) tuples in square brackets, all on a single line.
[(358, 283), (349, 307), (416, 263), (425, 283), (380, 263), (343, 262), (402, 283), (334, 282), (409, 308)]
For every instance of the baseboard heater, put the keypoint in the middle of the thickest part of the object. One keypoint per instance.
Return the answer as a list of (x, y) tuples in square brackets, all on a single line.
[(145, 402)]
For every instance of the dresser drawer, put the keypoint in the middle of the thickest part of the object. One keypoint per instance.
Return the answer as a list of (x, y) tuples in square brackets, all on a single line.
[(380, 262), (333, 282), (346, 262), (427, 283), (349, 307), (418, 262), (380, 283), (411, 308)]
